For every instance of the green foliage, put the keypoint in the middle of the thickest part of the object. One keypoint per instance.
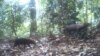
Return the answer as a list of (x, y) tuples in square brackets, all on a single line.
[(60, 13), (80, 4), (56, 14), (1, 1), (23, 31), (12, 15)]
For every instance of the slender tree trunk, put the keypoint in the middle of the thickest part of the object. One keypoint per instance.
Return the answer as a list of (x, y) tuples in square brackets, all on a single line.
[(33, 26), (13, 25)]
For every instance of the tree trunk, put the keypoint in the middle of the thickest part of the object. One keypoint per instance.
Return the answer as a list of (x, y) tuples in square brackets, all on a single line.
[(13, 25), (33, 26)]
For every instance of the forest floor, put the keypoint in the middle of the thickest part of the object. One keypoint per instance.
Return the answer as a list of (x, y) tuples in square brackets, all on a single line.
[(53, 47)]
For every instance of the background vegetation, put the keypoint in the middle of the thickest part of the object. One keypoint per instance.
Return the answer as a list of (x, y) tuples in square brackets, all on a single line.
[(41, 17)]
